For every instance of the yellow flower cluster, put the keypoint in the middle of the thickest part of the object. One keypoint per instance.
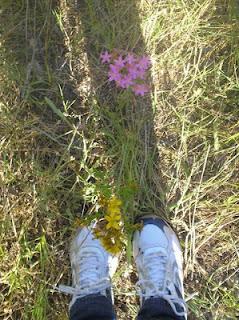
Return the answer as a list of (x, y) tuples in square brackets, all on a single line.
[(111, 231), (111, 242), (113, 215)]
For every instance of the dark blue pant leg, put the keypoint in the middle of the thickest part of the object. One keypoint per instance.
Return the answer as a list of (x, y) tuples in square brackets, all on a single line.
[(157, 309), (92, 307)]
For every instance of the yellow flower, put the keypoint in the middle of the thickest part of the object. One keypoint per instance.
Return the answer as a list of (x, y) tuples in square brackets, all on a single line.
[(113, 210), (112, 246), (113, 224), (113, 220), (98, 233), (106, 242), (112, 217), (114, 250), (114, 202), (109, 232), (114, 205)]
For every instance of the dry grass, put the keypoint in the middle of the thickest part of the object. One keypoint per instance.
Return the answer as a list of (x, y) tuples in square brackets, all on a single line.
[(66, 135)]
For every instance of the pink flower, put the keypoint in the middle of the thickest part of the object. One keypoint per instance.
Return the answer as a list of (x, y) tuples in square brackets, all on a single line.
[(120, 62), (113, 76), (144, 63), (114, 73), (140, 89), (130, 58), (125, 82), (128, 71), (114, 68), (105, 57), (133, 71), (136, 72), (140, 73)]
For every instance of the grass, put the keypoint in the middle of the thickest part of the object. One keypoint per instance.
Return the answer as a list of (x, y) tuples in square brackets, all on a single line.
[(66, 136)]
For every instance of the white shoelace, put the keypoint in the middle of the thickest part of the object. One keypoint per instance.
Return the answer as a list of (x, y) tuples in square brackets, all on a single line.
[(89, 276), (155, 264)]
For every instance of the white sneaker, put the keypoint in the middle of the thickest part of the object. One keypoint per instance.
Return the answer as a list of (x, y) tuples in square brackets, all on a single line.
[(92, 267), (159, 261)]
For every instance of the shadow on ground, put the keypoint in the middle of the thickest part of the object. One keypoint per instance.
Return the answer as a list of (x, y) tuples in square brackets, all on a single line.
[(98, 26)]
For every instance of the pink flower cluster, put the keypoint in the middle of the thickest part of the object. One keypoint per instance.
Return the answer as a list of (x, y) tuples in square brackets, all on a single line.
[(128, 71)]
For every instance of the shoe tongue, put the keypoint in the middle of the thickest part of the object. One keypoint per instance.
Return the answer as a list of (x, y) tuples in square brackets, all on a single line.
[(148, 253), (93, 251), (160, 250), (90, 275), (152, 236)]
